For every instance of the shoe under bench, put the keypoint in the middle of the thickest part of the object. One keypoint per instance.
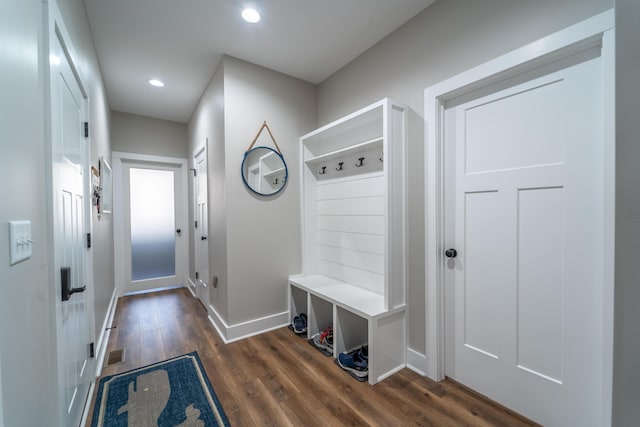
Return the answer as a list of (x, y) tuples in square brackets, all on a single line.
[(358, 316)]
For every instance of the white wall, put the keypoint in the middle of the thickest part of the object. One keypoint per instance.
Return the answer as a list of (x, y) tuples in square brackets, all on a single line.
[(626, 408), (26, 300), (253, 241), (27, 336), (445, 39), (143, 135)]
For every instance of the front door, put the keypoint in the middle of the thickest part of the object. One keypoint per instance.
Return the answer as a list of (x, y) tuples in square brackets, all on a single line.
[(202, 228), (154, 225), (70, 206), (525, 192)]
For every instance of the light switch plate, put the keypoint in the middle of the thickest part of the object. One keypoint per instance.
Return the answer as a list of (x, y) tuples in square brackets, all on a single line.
[(20, 243)]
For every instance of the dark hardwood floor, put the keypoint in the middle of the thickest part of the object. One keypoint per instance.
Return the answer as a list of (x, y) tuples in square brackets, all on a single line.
[(278, 379)]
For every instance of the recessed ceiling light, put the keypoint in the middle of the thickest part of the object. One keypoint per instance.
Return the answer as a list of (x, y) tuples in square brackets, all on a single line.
[(156, 83), (250, 15)]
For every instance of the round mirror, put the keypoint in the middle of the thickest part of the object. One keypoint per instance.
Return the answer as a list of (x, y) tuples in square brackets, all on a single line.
[(264, 171)]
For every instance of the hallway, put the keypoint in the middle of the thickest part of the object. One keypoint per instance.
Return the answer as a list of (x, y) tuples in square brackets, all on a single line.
[(278, 379)]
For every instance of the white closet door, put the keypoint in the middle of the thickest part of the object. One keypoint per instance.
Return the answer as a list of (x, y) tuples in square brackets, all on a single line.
[(527, 211)]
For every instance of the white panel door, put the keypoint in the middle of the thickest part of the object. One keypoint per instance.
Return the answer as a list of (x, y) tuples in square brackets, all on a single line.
[(73, 311), (524, 185), (202, 229)]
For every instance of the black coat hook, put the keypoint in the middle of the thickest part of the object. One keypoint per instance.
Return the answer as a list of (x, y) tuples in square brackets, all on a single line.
[(275, 182), (339, 168), (360, 162), (323, 171)]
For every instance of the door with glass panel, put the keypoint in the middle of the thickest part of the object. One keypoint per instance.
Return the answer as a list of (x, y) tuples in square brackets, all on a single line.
[(155, 230)]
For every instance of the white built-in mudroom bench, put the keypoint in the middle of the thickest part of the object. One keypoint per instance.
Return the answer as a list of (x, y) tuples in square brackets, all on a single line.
[(353, 207)]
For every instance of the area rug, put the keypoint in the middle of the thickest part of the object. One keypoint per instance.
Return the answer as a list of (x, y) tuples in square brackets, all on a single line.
[(176, 392)]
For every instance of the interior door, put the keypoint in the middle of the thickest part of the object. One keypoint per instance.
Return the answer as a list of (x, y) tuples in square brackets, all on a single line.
[(70, 207), (154, 220), (524, 194), (202, 228)]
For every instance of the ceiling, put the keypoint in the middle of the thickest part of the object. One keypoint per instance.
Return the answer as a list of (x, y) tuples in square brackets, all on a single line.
[(181, 42)]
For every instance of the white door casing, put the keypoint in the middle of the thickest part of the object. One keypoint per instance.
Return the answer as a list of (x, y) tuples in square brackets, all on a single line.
[(70, 153), (123, 163), (527, 302), (201, 231)]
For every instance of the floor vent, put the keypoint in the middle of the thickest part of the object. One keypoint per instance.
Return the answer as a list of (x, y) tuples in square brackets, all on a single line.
[(115, 356)]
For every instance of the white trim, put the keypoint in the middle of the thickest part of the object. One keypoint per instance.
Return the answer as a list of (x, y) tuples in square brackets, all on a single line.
[(595, 30), (191, 286), (240, 331), (105, 332), (417, 362), (87, 405)]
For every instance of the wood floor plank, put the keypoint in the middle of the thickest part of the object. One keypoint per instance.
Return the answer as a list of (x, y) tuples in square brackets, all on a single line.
[(278, 379)]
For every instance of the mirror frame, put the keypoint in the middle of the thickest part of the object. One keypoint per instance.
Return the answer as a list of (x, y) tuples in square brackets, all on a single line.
[(286, 172)]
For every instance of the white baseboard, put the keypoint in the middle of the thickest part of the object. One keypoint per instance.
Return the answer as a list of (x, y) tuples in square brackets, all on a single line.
[(105, 332), (192, 288), (237, 332), (417, 362)]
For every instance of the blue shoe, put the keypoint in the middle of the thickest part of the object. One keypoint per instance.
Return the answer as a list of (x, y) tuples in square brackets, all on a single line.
[(363, 353), (300, 324), (355, 362)]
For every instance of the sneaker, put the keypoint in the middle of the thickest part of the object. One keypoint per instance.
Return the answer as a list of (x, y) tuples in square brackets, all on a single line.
[(326, 337), (354, 362), (300, 324), (364, 353), (322, 345)]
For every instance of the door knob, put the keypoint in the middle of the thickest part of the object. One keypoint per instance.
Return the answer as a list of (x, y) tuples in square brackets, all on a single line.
[(178, 231), (203, 238), (451, 253)]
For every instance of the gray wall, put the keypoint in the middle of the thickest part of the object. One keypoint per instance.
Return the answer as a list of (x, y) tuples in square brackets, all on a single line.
[(207, 124), (143, 135), (445, 39), (27, 303), (626, 410), (254, 242), (263, 234), (77, 23)]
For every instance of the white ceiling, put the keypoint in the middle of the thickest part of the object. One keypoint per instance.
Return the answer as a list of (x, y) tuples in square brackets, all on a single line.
[(182, 41)]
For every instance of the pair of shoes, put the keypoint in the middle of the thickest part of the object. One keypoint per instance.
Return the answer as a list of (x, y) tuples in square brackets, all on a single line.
[(323, 341), (300, 324), (326, 337), (356, 362)]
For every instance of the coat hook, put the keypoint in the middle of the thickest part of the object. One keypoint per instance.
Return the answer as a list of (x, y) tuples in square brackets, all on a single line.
[(323, 171), (360, 162), (275, 182), (339, 168)]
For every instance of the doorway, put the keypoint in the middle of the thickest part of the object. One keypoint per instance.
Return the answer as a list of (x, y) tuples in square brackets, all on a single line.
[(70, 168), (201, 225), (519, 268), (150, 221)]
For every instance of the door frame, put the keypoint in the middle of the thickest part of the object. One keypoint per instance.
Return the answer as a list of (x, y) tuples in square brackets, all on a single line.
[(56, 29), (119, 159), (595, 31)]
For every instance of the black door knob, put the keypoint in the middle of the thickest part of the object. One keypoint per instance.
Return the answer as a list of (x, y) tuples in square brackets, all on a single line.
[(178, 231), (451, 253), (203, 238)]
